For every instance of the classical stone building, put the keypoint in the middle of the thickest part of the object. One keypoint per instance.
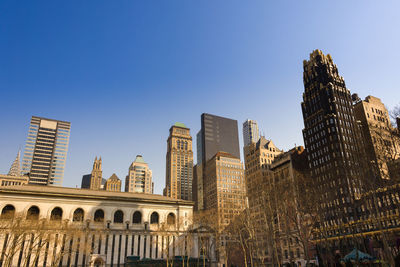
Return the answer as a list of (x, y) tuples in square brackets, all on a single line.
[(381, 141), (139, 178), (91, 227), (113, 183), (179, 163)]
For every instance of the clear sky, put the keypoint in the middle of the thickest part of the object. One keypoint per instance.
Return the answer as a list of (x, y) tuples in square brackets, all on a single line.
[(122, 72)]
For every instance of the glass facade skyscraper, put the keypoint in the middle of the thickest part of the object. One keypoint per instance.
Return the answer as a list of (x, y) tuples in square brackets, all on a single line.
[(46, 151)]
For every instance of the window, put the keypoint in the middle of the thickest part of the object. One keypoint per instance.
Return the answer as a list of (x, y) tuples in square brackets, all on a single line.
[(78, 215), (154, 218), (8, 212), (137, 217), (118, 216), (33, 213), (56, 214), (171, 219), (99, 216)]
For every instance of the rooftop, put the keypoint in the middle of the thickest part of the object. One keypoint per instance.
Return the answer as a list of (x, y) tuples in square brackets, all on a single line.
[(84, 194), (139, 159), (180, 124)]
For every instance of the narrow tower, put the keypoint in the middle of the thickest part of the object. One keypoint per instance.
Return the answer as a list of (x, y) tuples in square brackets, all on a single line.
[(179, 163)]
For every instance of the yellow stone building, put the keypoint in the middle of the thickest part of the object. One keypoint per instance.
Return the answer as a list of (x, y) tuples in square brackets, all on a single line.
[(113, 184), (380, 139), (224, 187), (179, 163)]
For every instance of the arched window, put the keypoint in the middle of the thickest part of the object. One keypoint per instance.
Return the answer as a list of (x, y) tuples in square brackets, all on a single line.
[(78, 215), (178, 144), (137, 217), (8, 212), (171, 218), (56, 214), (33, 213), (118, 216), (186, 144), (99, 216), (154, 218)]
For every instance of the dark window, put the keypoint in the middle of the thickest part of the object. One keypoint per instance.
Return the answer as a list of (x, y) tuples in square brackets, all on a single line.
[(8, 212), (137, 217), (56, 214), (99, 216), (78, 215), (33, 213), (154, 218), (118, 216), (171, 218)]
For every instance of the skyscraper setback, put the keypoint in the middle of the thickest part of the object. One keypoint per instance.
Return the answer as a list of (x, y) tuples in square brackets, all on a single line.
[(179, 163), (331, 135), (46, 151)]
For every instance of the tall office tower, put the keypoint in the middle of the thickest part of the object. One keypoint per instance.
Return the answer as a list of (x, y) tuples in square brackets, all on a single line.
[(224, 187), (258, 158), (331, 137), (113, 184), (381, 142), (179, 163), (197, 187), (139, 178), (251, 133), (15, 169), (218, 134), (46, 151)]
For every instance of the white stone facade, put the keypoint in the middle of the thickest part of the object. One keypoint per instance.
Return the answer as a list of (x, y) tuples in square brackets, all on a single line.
[(113, 238)]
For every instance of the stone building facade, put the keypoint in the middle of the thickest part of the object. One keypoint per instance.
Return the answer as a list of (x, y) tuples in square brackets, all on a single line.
[(115, 224), (113, 183), (179, 163)]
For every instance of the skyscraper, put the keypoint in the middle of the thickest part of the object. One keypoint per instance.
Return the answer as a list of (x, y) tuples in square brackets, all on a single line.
[(46, 151), (139, 178), (218, 134), (251, 133), (331, 136), (15, 169), (179, 163)]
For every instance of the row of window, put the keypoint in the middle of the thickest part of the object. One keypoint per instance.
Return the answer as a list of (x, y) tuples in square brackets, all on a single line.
[(78, 216)]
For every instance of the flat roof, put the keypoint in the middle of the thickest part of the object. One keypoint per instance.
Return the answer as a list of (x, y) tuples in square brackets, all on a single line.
[(102, 195)]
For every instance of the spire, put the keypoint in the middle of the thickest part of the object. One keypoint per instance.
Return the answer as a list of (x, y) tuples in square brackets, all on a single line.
[(15, 169)]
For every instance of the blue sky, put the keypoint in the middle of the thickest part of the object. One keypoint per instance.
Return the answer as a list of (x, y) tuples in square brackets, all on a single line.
[(122, 72)]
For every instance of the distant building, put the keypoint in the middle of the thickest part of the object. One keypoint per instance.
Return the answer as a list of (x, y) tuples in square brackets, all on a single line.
[(46, 151), (251, 133), (7, 180), (94, 180), (14, 176), (179, 163), (218, 134), (258, 158), (139, 178), (113, 184), (224, 187), (198, 187), (381, 142)]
